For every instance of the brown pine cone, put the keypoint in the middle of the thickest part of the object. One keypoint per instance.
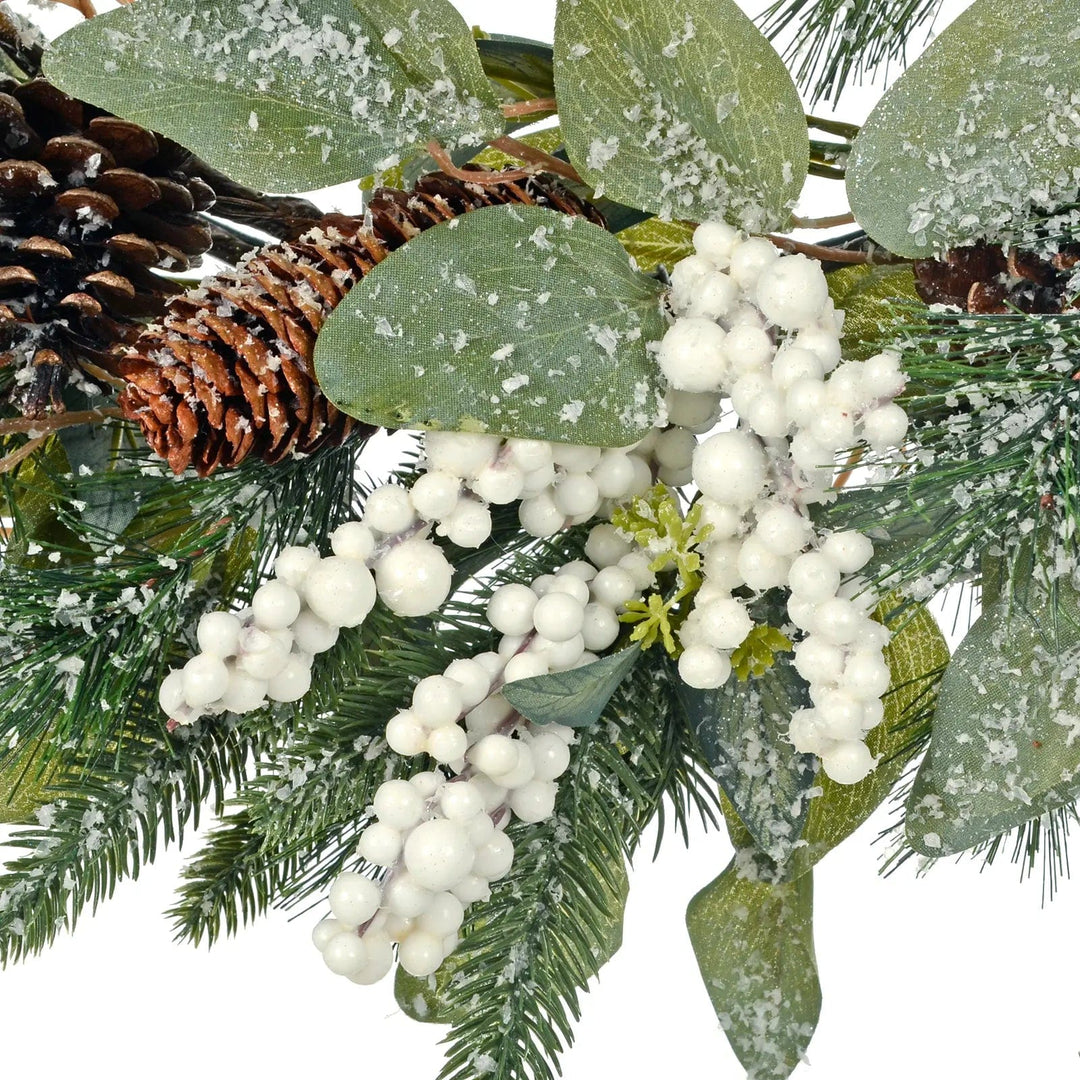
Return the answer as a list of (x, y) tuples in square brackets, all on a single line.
[(982, 279), (89, 206), (229, 371)]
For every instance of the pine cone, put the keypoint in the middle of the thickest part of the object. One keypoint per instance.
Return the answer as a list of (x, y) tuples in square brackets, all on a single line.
[(229, 372), (89, 205), (984, 280)]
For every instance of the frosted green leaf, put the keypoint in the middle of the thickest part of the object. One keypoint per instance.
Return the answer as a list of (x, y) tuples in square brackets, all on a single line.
[(754, 943), (981, 129), (509, 319), (872, 299), (520, 65), (654, 243), (681, 108), (1005, 746), (286, 95), (743, 732), (576, 697)]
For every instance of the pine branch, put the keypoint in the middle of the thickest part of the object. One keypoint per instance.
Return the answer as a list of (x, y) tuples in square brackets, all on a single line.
[(836, 41), (106, 822)]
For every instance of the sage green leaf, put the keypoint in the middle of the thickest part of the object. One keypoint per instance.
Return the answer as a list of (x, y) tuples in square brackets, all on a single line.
[(1005, 746), (654, 243), (754, 943), (427, 999), (286, 96), (916, 655), (576, 697), (509, 319), (521, 65), (975, 134), (682, 109), (742, 728), (874, 299)]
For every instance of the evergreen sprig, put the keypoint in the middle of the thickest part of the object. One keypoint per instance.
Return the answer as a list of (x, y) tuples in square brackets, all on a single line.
[(837, 41)]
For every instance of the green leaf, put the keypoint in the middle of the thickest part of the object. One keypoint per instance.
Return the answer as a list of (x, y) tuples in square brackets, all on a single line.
[(91, 448), (654, 243), (976, 129), (285, 97), (509, 319), (521, 65), (576, 697), (742, 728), (871, 298), (916, 656), (681, 108), (1005, 746), (754, 943), (24, 785)]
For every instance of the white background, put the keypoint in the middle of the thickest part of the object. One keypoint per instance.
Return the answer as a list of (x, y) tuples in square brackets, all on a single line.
[(954, 974)]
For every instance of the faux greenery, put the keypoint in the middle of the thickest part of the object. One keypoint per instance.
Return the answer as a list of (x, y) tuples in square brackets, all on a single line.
[(527, 323)]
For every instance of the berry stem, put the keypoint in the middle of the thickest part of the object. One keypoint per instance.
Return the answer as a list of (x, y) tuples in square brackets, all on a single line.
[(527, 108), (8, 463), (822, 222), (824, 253), (517, 148), (485, 178), (833, 127)]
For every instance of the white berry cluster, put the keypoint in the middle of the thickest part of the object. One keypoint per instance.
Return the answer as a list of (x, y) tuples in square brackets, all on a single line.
[(759, 328), (441, 840)]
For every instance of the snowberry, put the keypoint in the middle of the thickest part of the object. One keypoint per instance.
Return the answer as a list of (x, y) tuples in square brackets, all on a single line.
[(324, 931), (704, 668), (558, 616), (730, 467), (444, 916), (421, 953), (783, 530), (469, 525), (340, 591), (722, 565), (538, 480), (275, 605), (814, 577), (866, 675), (447, 744), (413, 578), (848, 551), (761, 568), (749, 259), (839, 621), (404, 895), (813, 458), (691, 355), (767, 415), (472, 678), (380, 844), (438, 854), (791, 291), (613, 587), (804, 400), (803, 613), (380, 959), (406, 735), (807, 733), (569, 585), (472, 888), (574, 457), (494, 857), (539, 516), (715, 295), (675, 448), (353, 540), (488, 715), (499, 484), (714, 242), (460, 453), (724, 623), (437, 700), (605, 546), (494, 755), (614, 476), (817, 661), (847, 762), (600, 627), (840, 714), (685, 276), (551, 756), (460, 801), (885, 426), (534, 800), (354, 898), (823, 341), (577, 494), (696, 412), (883, 377), (219, 633), (529, 454), (748, 388), (398, 804), (427, 783), (206, 678), (389, 510), (261, 655), (291, 682), (525, 666), (435, 494), (345, 954), (312, 634), (873, 712), (833, 427), (171, 696)]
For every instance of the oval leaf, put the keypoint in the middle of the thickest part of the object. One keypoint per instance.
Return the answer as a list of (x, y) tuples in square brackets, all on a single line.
[(654, 243), (754, 943), (520, 65), (285, 95), (510, 319), (576, 697), (979, 127), (1005, 746), (743, 732), (682, 109)]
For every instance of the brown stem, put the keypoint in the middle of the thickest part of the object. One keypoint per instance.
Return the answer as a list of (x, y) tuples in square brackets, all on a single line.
[(527, 108), (831, 254), (24, 425), (849, 468), (8, 463), (517, 148), (482, 177), (84, 7), (822, 222)]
